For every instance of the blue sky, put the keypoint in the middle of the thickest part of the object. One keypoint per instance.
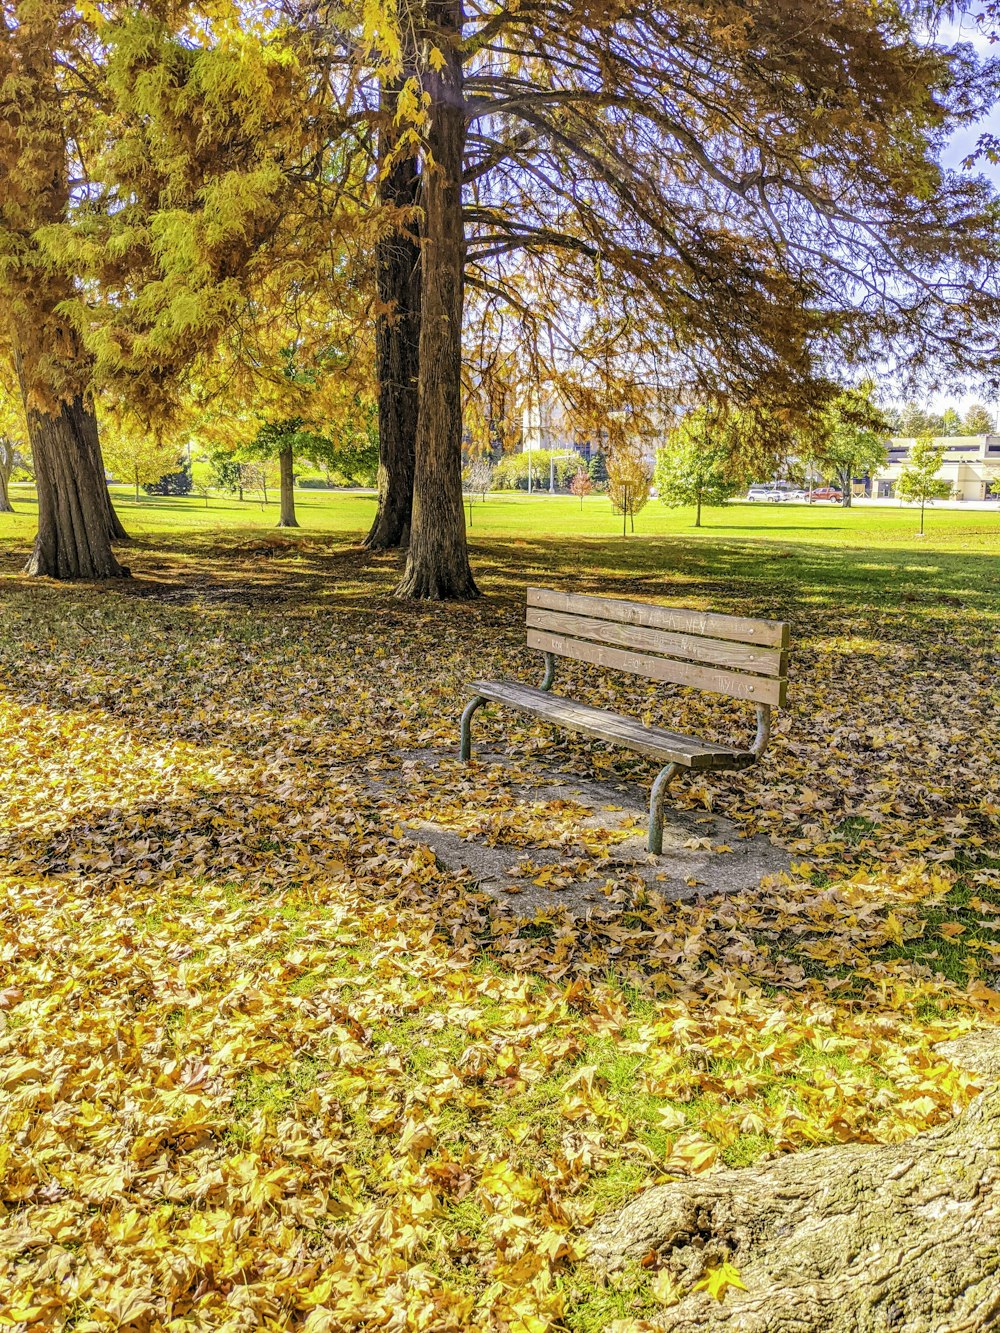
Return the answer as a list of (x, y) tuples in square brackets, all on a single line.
[(966, 29)]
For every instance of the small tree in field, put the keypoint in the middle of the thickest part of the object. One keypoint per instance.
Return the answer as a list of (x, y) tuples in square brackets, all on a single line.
[(8, 456), (13, 433), (694, 468), (629, 479), (919, 479), (137, 457), (581, 485), (477, 479), (228, 473)]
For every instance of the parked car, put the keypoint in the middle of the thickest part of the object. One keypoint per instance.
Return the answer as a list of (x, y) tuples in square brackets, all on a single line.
[(777, 492), (827, 493)]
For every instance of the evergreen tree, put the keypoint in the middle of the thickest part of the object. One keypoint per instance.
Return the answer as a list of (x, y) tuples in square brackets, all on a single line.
[(979, 421), (916, 420), (172, 483), (598, 469), (951, 423)]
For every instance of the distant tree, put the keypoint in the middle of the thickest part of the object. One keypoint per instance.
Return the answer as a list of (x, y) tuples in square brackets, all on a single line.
[(915, 420), (696, 465), (136, 456), (8, 457), (951, 423), (629, 478), (477, 479), (281, 441), (172, 483), (919, 478), (581, 485), (228, 472), (979, 420), (852, 438), (598, 470), (258, 476), (13, 433), (348, 442)]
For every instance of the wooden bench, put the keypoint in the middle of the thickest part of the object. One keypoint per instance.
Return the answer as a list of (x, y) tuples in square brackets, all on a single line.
[(732, 655)]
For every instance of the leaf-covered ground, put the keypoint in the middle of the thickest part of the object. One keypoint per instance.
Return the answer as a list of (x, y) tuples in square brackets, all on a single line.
[(264, 1065)]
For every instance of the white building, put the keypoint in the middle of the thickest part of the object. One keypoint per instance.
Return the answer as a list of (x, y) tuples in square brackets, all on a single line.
[(971, 464), (546, 424)]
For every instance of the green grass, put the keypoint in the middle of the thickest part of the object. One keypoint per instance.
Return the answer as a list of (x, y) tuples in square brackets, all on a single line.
[(514, 514), (821, 556)]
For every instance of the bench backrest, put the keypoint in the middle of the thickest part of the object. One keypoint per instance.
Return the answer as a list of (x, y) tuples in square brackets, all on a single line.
[(746, 659)]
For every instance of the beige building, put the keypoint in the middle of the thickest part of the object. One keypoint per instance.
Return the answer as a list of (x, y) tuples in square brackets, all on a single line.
[(971, 463)]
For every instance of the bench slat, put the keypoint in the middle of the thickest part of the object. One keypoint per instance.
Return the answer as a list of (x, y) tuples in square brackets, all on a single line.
[(667, 746), (755, 689), (737, 629), (688, 647)]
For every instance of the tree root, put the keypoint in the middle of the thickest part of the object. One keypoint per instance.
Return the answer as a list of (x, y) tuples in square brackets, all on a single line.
[(863, 1238)]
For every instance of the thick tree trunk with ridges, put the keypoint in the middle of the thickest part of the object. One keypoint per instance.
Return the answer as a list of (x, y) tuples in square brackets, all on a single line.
[(437, 563), (76, 520), (397, 352), (861, 1238)]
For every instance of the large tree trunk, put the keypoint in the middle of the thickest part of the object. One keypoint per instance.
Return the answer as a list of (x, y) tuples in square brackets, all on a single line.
[(438, 559), (76, 520), (846, 482), (74, 507), (286, 465), (397, 348), (861, 1238)]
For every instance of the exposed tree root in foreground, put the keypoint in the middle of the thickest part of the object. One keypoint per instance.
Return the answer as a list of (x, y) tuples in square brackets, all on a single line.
[(864, 1238)]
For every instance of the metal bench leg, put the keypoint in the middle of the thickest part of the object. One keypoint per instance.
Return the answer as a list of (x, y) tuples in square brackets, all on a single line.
[(663, 781), (466, 749)]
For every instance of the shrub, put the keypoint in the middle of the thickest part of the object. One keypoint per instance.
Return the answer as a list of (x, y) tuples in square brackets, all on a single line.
[(172, 483)]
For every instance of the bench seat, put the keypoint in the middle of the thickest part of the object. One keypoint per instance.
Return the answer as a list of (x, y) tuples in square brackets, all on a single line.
[(668, 746)]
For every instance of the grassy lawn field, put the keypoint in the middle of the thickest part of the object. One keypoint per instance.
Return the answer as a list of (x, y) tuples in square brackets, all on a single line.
[(264, 1064)]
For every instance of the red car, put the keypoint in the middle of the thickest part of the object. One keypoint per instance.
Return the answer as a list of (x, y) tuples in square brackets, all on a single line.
[(827, 493)]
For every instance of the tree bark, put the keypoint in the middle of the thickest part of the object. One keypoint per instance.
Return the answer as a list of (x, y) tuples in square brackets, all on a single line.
[(75, 530), (697, 513), (437, 563), (846, 481), (901, 1238), (397, 348), (76, 520), (286, 465)]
